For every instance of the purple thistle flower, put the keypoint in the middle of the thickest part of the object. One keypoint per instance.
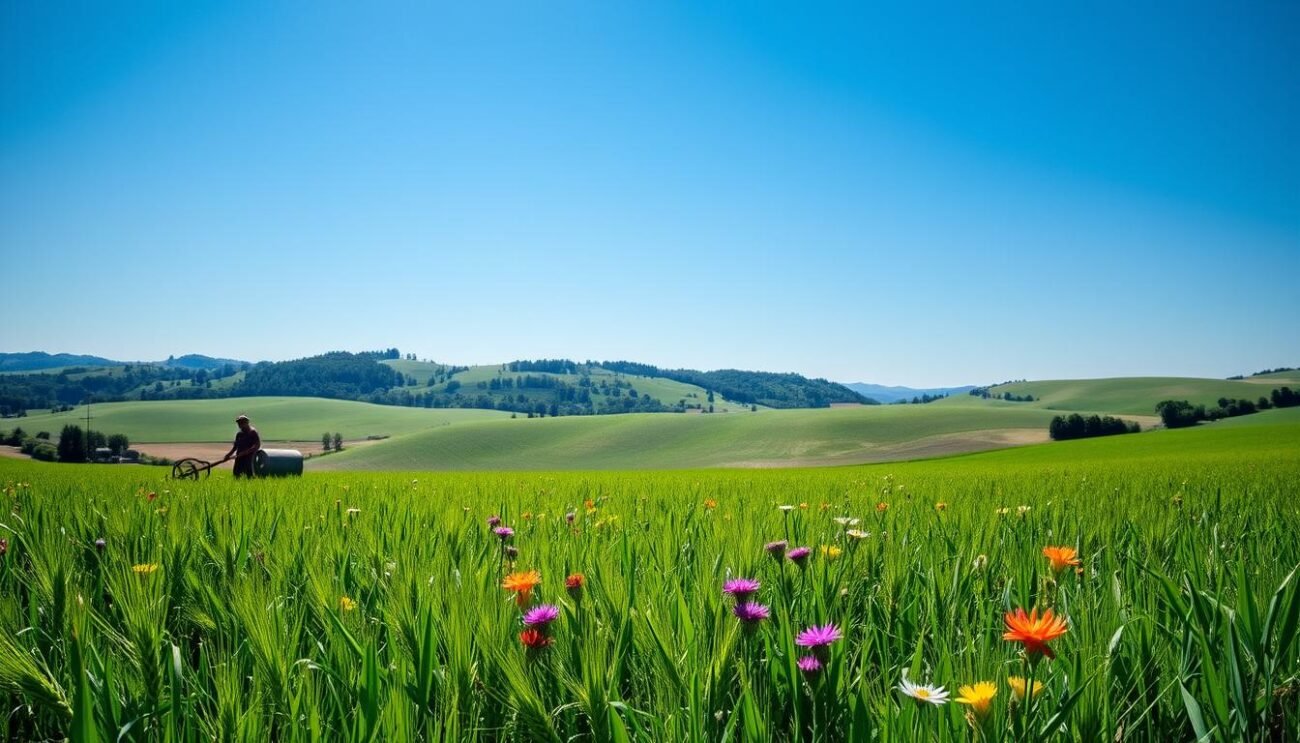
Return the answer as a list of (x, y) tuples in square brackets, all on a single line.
[(494, 521), (542, 615), (815, 637), (741, 588), (776, 549), (809, 665), (799, 555), (750, 614), (504, 532)]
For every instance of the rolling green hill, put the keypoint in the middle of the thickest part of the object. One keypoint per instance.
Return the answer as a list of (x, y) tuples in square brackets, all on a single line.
[(1128, 395), (773, 438), (277, 418)]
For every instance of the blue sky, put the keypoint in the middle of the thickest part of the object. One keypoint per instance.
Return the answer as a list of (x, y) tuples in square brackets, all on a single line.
[(936, 196)]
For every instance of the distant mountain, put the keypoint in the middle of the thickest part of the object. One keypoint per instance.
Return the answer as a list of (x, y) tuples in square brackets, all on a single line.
[(38, 360), (893, 394)]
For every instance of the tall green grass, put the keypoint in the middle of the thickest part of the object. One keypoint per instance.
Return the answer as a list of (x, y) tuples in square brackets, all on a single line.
[(1182, 619)]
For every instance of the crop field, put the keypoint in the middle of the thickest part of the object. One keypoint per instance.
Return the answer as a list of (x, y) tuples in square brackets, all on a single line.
[(611, 606)]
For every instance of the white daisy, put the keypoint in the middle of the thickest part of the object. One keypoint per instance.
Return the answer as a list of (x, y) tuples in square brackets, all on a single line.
[(935, 695), (846, 521), (786, 508)]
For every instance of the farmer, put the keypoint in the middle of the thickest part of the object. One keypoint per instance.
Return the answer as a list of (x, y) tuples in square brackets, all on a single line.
[(247, 443)]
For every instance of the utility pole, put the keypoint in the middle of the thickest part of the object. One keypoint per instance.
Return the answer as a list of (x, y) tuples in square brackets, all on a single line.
[(88, 452)]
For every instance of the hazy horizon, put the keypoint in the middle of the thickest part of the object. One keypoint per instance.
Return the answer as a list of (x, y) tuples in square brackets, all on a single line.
[(922, 197)]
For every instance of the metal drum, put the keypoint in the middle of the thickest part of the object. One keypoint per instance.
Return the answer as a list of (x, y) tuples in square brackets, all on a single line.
[(277, 462)]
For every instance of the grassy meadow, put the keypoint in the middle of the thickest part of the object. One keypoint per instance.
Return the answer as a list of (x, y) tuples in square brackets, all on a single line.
[(371, 606), (278, 418), (1137, 395)]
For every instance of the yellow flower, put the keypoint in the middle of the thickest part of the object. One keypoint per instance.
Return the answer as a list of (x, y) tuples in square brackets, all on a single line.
[(1018, 684), (979, 697), (941, 506), (526, 515), (803, 506), (882, 507), (145, 569), (830, 551), (710, 504), (346, 604)]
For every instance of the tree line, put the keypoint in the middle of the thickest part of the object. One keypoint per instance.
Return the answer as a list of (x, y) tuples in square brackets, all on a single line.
[(1181, 413), (751, 387), (1076, 426)]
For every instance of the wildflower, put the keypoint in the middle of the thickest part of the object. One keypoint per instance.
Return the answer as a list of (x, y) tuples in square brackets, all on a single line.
[(785, 509), (1034, 631), (809, 665), (979, 696), (493, 522), (981, 562), (882, 507), (741, 589), (799, 555), (856, 534), (941, 506), (935, 695), (750, 614), (346, 604), (830, 551), (1004, 511), (846, 521), (152, 496), (504, 532), (512, 551), (526, 515), (710, 504), (145, 569), (803, 506), (570, 516), (1061, 557), (534, 639), (541, 616), (100, 544), (4, 546), (819, 639), (1177, 500), (522, 584), (1022, 510), (353, 511), (776, 549), (1018, 685)]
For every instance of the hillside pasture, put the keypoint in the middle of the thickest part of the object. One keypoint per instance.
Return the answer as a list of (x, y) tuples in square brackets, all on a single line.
[(1129, 395)]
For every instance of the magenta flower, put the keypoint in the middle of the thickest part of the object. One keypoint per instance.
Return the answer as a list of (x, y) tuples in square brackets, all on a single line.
[(741, 588), (750, 614), (494, 521), (809, 665), (541, 615), (799, 555), (776, 549), (504, 532), (815, 637)]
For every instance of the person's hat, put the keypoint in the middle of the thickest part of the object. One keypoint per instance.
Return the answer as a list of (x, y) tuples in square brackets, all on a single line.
[(241, 418)]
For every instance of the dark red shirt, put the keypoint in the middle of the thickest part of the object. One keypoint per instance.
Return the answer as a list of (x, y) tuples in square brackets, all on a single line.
[(247, 440)]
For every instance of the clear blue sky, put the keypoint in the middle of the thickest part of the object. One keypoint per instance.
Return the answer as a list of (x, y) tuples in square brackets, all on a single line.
[(931, 196)]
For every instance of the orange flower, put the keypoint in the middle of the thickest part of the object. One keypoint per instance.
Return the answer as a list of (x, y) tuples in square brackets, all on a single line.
[(575, 581), (534, 639), (1061, 557), (1034, 631), (710, 504), (522, 583), (882, 507)]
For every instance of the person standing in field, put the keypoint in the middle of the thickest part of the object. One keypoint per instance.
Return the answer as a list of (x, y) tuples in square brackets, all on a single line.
[(247, 443)]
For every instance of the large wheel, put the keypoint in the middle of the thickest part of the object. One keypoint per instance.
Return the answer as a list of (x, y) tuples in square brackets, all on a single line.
[(191, 469)]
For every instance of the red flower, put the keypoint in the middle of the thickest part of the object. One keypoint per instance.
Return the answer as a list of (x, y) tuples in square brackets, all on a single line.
[(534, 639)]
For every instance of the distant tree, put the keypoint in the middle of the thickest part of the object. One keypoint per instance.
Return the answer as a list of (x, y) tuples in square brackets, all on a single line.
[(338, 442), (325, 441), (15, 437), (119, 443), (710, 397), (753, 408), (43, 435), (1180, 413), (72, 444)]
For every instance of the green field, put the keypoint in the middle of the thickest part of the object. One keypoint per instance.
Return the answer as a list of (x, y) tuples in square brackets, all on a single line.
[(277, 418), (369, 606), (675, 441), (1132, 395)]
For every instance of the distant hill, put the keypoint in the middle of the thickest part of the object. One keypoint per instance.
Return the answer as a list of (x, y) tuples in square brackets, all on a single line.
[(751, 387), (887, 395), (37, 360), (198, 361)]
